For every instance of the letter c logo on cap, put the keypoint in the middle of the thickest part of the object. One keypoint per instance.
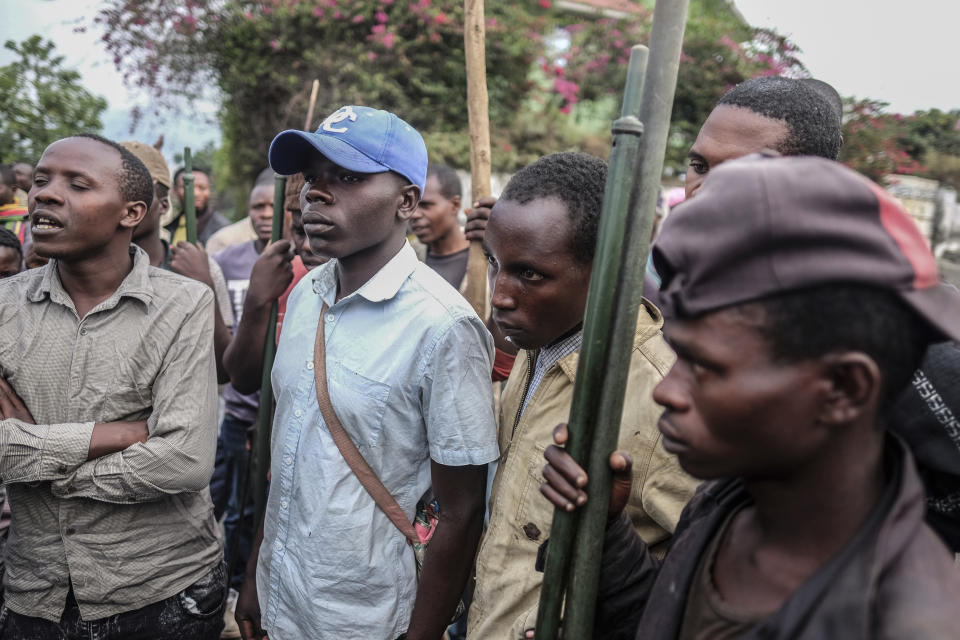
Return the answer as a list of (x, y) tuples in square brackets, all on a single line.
[(341, 114)]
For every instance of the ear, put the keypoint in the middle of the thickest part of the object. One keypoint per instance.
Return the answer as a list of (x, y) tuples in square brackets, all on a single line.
[(455, 201), (133, 213), (409, 198), (853, 387)]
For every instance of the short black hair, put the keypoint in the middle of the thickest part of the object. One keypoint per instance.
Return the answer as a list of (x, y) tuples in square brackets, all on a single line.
[(811, 117), (136, 185), (9, 239), (7, 176), (161, 191), (450, 186), (813, 322), (196, 167), (576, 179)]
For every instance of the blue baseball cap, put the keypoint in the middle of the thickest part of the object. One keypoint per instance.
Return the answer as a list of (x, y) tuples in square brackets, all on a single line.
[(359, 139)]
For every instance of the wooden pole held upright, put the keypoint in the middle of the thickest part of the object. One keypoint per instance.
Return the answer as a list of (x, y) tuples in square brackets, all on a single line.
[(474, 34), (313, 103)]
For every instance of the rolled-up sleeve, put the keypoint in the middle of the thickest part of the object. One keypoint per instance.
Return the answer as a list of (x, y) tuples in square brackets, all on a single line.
[(457, 396), (36, 452), (179, 452)]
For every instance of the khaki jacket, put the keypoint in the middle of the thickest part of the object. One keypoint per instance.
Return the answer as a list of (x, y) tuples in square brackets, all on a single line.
[(508, 587)]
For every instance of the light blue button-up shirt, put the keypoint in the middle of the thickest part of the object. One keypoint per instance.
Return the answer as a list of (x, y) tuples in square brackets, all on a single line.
[(408, 368)]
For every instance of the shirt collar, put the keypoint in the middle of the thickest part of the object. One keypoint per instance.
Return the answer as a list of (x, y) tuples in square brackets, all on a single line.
[(384, 284), (136, 284)]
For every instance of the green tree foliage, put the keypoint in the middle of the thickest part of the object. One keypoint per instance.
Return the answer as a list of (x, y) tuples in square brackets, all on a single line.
[(925, 144), (41, 102), (554, 77)]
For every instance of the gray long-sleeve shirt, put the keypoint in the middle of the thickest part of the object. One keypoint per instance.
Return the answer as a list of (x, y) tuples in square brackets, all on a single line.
[(130, 528)]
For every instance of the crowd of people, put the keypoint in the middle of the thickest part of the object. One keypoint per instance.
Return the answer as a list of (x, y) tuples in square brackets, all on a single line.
[(788, 462)]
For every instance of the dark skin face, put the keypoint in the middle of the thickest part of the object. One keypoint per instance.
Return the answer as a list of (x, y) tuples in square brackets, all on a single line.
[(261, 212), (76, 206), (24, 173), (9, 262), (731, 410), (6, 193), (539, 288), (298, 238), (347, 214), (201, 190), (436, 216), (151, 222), (729, 133)]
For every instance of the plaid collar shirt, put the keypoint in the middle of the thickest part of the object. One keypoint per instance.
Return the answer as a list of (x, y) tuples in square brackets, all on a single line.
[(130, 528), (549, 356)]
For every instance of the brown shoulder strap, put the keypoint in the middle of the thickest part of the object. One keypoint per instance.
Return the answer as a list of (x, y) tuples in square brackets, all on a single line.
[(348, 450)]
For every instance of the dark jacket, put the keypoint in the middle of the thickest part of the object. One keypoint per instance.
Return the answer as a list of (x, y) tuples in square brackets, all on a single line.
[(895, 579), (926, 417)]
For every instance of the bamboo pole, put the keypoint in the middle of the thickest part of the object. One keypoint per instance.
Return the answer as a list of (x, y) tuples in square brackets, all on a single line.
[(474, 34), (265, 410), (189, 206), (613, 302), (313, 103)]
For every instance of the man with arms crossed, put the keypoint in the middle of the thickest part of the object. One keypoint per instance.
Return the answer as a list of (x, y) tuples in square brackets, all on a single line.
[(108, 400)]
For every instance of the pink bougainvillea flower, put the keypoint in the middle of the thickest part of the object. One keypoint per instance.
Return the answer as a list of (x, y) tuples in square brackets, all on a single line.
[(377, 29), (545, 4), (388, 39), (275, 44), (381, 16), (372, 55), (441, 18), (357, 19), (318, 11)]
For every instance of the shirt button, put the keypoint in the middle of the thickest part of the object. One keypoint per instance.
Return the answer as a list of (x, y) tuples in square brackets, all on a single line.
[(298, 413), (278, 546), (83, 332), (310, 365), (331, 317), (62, 468), (284, 504), (287, 460), (70, 531)]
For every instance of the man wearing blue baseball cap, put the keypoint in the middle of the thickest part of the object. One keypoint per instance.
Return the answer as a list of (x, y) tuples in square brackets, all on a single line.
[(392, 408)]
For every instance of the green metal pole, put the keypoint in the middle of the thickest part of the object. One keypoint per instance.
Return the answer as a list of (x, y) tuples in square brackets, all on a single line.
[(611, 329), (265, 411), (189, 206), (627, 131)]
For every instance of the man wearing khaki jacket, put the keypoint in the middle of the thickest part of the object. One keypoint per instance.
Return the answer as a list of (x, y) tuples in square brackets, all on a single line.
[(540, 241)]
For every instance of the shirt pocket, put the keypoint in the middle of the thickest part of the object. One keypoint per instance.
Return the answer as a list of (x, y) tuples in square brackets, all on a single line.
[(129, 397), (534, 512), (359, 402)]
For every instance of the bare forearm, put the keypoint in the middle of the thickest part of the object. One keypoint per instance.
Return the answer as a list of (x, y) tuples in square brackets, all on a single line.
[(446, 570), (111, 437), (243, 358)]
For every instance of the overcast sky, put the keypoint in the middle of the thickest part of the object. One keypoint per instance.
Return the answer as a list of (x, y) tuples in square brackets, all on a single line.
[(900, 52), (904, 53)]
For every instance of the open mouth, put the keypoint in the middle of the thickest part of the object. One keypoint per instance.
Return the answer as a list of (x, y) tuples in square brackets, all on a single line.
[(44, 223)]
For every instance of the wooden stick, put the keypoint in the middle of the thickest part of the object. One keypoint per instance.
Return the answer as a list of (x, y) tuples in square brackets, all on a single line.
[(474, 34), (313, 103)]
